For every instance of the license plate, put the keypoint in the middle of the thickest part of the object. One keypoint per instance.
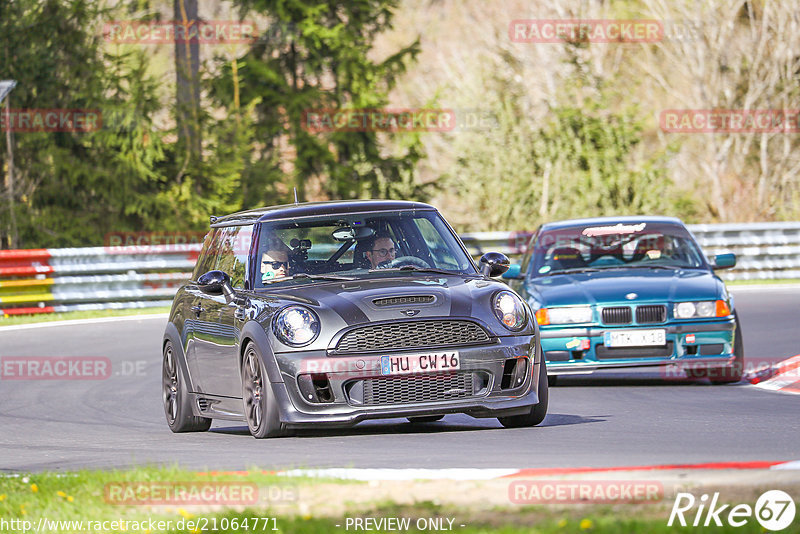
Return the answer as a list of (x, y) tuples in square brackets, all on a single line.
[(420, 363), (635, 338)]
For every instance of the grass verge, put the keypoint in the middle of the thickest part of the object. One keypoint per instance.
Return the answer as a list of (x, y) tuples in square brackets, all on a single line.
[(71, 316), (154, 500)]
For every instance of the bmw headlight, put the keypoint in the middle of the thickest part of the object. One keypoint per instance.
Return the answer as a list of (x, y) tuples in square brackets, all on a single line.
[(296, 326), (701, 309), (565, 315), (509, 310)]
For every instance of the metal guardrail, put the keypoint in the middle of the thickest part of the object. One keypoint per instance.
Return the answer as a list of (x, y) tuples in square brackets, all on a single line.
[(56, 280)]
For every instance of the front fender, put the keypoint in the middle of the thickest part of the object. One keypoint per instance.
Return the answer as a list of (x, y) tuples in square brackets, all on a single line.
[(255, 333)]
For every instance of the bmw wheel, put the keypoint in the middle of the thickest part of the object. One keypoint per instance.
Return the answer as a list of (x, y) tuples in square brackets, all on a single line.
[(174, 394), (260, 406)]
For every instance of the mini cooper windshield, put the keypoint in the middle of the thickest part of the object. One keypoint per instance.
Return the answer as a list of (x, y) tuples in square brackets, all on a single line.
[(593, 247), (352, 246)]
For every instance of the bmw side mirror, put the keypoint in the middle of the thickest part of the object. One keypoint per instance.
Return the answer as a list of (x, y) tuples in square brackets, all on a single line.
[(513, 272), (493, 264), (216, 283), (723, 261)]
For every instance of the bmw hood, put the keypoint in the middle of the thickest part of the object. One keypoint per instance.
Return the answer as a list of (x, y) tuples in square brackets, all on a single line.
[(617, 285)]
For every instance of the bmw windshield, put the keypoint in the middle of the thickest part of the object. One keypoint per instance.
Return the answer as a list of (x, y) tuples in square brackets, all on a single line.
[(352, 246), (613, 246)]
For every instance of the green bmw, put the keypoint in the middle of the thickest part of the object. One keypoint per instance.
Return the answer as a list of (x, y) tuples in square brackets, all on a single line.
[(619, 292)]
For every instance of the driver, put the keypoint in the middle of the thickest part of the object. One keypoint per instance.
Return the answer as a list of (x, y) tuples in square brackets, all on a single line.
[(382, 250), (275, 261)]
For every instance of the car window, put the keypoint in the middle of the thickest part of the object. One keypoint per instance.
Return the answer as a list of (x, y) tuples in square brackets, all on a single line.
[(614, 245), (439, 250), (357, 245), (207, 259), (234, 247)]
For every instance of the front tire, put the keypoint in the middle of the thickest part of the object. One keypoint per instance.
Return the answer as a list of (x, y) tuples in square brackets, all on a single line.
[(260, 406), (538, 411), (175, 396), (728, 374), (732, 373)]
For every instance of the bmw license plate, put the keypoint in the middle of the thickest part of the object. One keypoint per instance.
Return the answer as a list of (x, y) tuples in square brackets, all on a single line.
[(635, 338), (420, 363)]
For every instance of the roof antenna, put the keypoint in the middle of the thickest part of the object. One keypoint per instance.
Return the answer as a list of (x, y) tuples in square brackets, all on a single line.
[(295, 196)]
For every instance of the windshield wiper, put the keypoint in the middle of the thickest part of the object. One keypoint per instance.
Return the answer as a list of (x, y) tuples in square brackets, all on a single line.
[(415, 268), (645, 266), (575, 270), (306, 276)]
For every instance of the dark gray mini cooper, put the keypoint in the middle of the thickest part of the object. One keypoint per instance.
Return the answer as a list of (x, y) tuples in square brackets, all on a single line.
[(327, 314)]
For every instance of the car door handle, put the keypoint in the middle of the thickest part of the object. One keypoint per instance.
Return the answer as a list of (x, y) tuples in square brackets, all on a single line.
[(198, 310)]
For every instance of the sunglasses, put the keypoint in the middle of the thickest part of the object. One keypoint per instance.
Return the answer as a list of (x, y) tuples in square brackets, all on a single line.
[(275, 265), (384, 251)]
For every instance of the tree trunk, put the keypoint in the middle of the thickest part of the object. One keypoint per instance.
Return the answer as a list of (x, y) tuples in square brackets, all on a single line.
[(187, 70)]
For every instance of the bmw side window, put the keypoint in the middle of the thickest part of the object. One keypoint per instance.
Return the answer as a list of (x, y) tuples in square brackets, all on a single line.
[(208, 254)]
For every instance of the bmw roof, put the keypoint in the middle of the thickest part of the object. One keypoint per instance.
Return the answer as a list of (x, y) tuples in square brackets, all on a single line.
[(596, 221)]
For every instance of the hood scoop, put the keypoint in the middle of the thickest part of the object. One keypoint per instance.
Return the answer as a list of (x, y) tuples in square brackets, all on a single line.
[(403, 300)]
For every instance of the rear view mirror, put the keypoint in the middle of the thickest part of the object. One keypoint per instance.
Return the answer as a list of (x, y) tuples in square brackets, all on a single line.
[(349, 233), (723, 261), (493, 264), (513, 272), (216, 283)]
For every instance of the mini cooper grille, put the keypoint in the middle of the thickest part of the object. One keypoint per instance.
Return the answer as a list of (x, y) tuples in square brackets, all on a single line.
[(407, 335), (402, 301), (651, 314), (618, 315), (412, 389)]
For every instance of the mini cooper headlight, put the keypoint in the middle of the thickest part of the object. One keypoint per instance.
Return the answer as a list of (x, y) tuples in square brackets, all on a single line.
[(703, 308), (509, 310), (296, 326)]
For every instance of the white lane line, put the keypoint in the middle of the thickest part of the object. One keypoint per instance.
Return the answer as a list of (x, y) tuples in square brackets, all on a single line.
[(402, 474), (75, 322), (763, 287), (787, 465)]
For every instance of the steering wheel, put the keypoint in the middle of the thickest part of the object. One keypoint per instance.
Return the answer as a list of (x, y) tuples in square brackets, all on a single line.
[(409, 260)]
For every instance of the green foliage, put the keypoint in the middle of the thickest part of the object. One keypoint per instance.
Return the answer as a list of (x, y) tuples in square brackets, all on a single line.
[(317, 56), (584, 159), (70, 186)]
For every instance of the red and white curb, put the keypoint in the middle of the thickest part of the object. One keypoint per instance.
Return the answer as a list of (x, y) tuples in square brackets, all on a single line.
[(501, 473), (783, 377)]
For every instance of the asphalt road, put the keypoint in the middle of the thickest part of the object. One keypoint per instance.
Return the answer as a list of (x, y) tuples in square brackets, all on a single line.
[(607, 420)]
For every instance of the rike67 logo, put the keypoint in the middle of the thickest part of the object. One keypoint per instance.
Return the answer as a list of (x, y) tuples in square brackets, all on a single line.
[(774, 511)]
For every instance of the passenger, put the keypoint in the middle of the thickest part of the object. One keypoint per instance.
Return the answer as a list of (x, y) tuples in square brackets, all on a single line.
[(275, 261)]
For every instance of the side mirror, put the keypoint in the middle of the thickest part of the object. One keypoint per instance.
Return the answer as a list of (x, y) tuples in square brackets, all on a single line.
[(723, 261), (513, 272), (216, 283), (493, 264)]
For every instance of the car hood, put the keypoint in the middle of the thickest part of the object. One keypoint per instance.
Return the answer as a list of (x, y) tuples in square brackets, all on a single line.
[(340, 305), (615, 286)]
